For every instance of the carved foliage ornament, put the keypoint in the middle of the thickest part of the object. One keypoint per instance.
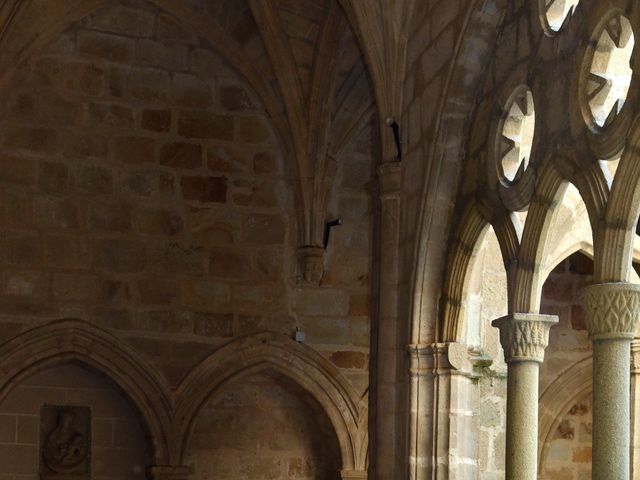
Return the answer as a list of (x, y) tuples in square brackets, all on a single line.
[(612, 309), (524, 336)]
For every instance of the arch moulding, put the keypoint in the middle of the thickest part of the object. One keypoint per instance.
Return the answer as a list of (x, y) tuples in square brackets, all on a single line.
[(67, 341), (299, 363)]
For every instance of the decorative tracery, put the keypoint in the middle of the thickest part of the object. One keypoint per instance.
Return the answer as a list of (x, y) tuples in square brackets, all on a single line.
[(557, 11), (517, 135), (610, 72)]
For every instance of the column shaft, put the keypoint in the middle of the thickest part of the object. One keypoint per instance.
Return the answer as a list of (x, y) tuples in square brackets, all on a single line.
[(611, 359), (522, 420), (612, 315), (523, 336), (389, 454)]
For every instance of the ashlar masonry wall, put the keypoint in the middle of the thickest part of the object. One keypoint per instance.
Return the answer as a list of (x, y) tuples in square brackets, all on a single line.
[(142, 189)]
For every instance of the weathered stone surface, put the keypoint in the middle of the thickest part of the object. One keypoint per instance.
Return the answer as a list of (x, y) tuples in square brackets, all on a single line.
[(181, 155), (204, 189)]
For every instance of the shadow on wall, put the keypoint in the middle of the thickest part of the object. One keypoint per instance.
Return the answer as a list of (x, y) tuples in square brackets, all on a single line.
[(118, 448), (263, 426)]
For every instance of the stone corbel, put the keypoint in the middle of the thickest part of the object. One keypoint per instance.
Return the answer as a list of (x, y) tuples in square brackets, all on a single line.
[(311, 263), (168, 472)]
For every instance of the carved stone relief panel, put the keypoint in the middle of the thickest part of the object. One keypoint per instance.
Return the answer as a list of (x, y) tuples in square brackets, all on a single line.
[(65, 442)]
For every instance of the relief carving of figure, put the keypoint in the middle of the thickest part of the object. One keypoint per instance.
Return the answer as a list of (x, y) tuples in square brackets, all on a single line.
[(65, 449)]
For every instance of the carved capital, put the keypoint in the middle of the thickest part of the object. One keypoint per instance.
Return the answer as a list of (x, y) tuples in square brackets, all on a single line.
[(390, 179), (524, 336), (612, 310), (168, 472), (311, 260)]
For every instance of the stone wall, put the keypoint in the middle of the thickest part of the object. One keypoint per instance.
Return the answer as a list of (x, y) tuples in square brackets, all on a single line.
[(567, 455), (261, 428), (143, 189), (119, 449)]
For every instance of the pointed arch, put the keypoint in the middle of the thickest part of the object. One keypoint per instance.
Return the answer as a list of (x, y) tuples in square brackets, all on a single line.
[(300, 364), (72, 340), (574, 383), (621, 216)]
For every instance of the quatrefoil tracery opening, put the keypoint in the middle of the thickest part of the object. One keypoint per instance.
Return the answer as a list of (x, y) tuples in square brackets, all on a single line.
[(557, 11), (516, 138), (610, 73)]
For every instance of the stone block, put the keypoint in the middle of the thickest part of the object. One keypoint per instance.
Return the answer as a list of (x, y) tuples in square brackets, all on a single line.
[(83, 77), (235, 98), (264, 229), (253, 130), (110, 115), (208, 189), (57, 110), (53, 177), (225, 159), (25, 284), (92, 180), (349, 359), (359, 305), (144, 84), (8, 426), (23, 248), (190, 91), (206, 63), (181, 155), (32, 139), (265, 163), (168, 30), (133, 150), (56, 213), (17, 170), (168, 56), (270, 265), (82, 145), (170, 321), (120, 255), (132, 22), (156, 120), (176, 259), (158, 221), (75, 287), (231, 264), (259, 298), (321, 302), (105, 46), (110, 217), (212, 324), (205, 125), (207, 295), (158, 291)]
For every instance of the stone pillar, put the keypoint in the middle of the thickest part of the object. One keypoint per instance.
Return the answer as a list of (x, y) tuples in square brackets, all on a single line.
[(421, 411), (523, 336), (635, 408), (612, 314), (168, 472), (444, 433), (389, 455)]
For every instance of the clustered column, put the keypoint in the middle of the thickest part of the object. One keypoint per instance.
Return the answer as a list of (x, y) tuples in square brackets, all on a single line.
[(612, 314), (389, 352), (523, 336)]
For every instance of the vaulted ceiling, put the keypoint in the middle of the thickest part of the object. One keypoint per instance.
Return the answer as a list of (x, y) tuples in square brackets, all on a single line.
[(324, 69)]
